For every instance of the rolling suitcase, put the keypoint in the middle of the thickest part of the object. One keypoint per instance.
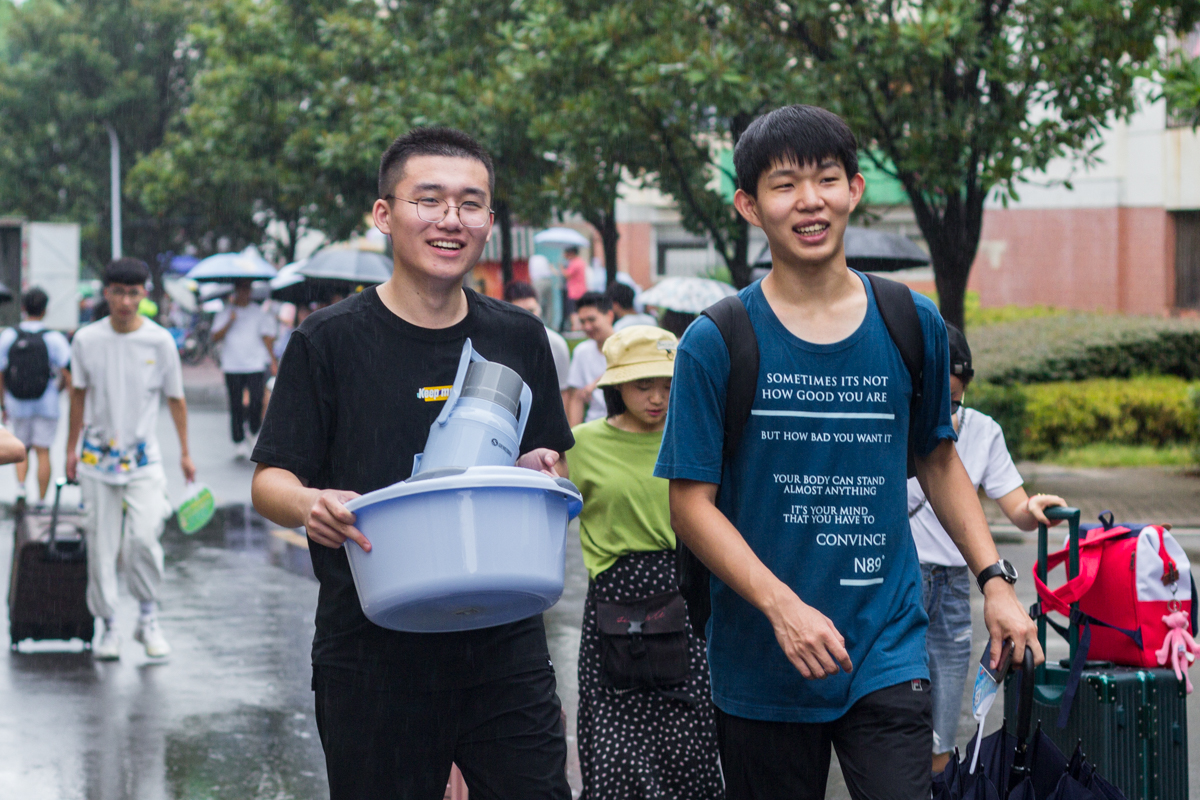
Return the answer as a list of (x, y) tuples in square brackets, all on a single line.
[(1130, 722), (48, 584)]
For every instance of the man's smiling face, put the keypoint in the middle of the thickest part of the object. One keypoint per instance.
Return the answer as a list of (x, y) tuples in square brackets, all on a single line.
[(445, 249), (804, 209)]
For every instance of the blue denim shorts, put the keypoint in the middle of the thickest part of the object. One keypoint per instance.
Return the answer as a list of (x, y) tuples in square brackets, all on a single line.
[(947, 595)]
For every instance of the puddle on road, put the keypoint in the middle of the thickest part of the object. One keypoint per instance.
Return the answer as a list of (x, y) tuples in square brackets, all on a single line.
[(252, 752)]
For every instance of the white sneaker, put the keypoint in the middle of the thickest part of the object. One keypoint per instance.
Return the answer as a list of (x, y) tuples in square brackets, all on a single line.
[(109, 646), (149, 634)]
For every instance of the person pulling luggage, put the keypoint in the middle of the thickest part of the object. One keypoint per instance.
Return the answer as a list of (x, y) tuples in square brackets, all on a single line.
[(945, 578), (121, 368)]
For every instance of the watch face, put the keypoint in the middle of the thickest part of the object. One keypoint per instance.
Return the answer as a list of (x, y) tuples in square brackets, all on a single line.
[(1009, 571)]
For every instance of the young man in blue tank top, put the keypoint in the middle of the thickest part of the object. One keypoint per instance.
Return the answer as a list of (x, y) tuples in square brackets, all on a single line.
[(817, 635)]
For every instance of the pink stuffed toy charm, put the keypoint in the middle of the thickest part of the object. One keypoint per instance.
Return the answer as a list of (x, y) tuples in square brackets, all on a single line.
[(1178, 646)]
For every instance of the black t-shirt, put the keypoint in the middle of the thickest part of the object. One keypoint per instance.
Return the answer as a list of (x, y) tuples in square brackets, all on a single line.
[(356, 393)]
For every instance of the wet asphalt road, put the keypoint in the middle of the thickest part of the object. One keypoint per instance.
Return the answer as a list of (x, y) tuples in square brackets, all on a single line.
[(230, 715)]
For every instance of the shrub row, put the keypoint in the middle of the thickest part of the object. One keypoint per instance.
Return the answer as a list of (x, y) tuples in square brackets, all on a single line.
[(1042, 418), (1075, 347)]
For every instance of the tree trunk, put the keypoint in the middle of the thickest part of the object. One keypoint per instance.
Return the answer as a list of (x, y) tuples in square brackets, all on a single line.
[(739, 265), (504, 223), (608, 237), (953, 239)]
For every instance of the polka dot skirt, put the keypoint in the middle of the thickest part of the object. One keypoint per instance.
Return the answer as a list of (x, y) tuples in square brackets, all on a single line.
[(640, 743)]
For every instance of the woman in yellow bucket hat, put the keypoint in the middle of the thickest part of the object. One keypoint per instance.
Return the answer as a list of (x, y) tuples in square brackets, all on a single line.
[(646, 726)]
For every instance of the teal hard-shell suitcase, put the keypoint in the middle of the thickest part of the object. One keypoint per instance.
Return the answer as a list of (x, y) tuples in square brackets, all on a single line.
[(1130, 722)]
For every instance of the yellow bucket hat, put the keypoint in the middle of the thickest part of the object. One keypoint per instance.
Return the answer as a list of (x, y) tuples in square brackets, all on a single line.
[(637, 352)]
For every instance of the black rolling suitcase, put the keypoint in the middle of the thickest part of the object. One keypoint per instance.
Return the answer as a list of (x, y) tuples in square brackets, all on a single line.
[(1130, 722), (48, 585)]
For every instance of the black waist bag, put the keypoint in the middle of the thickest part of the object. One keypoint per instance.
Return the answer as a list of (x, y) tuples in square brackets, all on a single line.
[(644, 643)]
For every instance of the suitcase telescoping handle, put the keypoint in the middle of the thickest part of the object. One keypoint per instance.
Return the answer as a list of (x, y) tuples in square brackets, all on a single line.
[(1071, 515), (1020, 766), (58, 486)]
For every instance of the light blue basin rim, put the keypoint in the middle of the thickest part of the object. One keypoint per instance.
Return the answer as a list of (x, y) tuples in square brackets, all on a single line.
[(455, 549)]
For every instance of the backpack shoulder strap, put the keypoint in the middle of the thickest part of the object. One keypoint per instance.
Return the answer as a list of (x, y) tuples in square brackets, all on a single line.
[(733, 321), (899, 312)]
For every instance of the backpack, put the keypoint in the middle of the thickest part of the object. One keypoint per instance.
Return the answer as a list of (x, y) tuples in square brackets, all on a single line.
[(1130, 577), (28, 372), (899, 311)]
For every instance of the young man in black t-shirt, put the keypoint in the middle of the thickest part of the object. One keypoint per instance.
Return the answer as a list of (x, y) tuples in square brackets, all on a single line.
[(358, 387)]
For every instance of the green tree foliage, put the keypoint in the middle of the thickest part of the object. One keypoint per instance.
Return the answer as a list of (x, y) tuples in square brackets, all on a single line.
[(66, 69), (656, 92), (244, 159), (1180, 76), (961, 98), (414, 63)]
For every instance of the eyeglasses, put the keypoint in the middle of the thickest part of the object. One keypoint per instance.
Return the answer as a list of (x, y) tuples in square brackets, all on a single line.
[(431, 209), (131, 293)]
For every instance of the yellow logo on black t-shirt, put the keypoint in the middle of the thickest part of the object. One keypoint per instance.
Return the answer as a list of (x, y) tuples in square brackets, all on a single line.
[(432, 394)]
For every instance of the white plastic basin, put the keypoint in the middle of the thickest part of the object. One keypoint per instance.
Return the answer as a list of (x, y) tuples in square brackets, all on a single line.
[(454, 549)]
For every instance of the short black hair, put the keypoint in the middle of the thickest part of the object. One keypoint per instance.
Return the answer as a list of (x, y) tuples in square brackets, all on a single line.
[(518, 290), (571, 249), (127, 272), (598, 300), (614, 403), (34, 302), (430, 141), (620, 294), (960, 355), (797, 134)]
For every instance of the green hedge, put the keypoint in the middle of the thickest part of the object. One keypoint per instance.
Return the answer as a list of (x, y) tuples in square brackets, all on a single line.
[(1042, 418), (1074, 347)]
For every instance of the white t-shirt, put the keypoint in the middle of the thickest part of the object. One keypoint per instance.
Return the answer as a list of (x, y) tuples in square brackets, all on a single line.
[(562, 356), (126, 375), (242, 349), (588, 364), (59, 351), (981, 447)]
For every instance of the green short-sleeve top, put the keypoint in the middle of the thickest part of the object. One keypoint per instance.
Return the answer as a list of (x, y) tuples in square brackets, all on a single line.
[(625, 508)]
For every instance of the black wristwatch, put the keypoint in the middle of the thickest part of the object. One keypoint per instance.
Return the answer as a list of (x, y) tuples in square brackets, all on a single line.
[(1002, 569)]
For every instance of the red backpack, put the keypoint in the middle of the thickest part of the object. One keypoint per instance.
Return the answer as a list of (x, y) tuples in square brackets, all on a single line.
[(1130, 577)]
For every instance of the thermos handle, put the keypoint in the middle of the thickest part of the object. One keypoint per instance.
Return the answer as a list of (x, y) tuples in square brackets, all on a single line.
[(526, 404), (464, 361)]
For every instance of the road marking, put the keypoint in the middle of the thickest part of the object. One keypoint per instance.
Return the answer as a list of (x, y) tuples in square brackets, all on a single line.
[(822, 414), (861, 581)]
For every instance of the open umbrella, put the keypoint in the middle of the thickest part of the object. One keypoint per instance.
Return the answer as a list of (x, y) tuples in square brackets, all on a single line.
[(562, 237), (869, 250), (688, 295), (349, 265), (226, 267), (5, 293)]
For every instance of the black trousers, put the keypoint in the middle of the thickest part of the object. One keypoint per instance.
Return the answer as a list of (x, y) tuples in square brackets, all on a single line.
[(883, 745), (239, 413), (384, 742)]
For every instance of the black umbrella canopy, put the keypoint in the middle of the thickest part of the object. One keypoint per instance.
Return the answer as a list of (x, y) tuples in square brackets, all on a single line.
[(869, 250)]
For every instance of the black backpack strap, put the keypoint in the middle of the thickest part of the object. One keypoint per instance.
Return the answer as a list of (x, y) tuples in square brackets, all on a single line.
[(731, 319), (899, 312)]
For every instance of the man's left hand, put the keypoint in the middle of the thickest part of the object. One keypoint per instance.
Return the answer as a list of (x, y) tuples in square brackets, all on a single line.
[(1006, 619), (543, 460), (189, 469)]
